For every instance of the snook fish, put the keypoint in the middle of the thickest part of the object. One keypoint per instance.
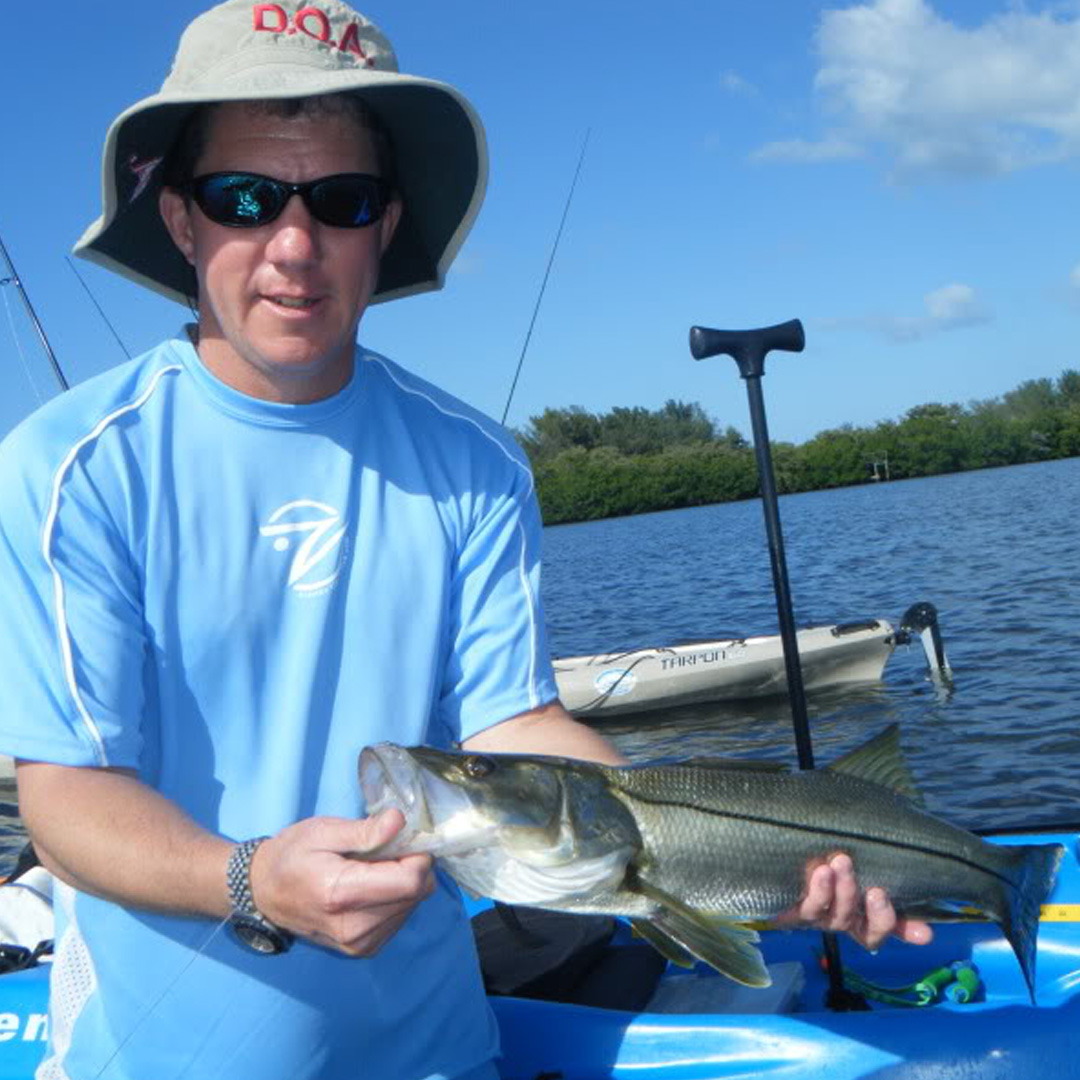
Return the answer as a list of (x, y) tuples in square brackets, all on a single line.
[(691, 853)]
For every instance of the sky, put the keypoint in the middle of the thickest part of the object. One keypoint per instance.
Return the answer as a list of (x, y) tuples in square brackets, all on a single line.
[(901, 175)]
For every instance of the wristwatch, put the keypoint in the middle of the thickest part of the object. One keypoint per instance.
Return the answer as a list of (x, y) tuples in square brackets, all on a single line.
[(251, 927)]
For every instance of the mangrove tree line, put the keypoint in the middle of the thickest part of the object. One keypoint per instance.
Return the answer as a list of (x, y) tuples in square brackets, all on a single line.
[(634, 460)]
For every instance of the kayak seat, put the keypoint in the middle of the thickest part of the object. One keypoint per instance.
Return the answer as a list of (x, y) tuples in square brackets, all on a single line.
[(553, 956)]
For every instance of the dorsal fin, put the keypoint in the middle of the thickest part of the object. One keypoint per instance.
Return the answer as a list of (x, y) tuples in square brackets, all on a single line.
[(881, 761)]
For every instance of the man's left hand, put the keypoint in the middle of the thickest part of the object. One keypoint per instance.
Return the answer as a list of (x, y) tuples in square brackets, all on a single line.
[(832, 902)]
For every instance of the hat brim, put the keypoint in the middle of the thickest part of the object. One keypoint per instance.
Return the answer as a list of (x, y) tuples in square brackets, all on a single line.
[(440, 155)]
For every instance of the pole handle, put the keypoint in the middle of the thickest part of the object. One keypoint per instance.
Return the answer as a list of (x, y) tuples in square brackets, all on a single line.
[(747, 347)]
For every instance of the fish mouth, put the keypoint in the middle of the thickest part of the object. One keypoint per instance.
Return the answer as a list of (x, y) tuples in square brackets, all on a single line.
[(389, 780), (440, 818)]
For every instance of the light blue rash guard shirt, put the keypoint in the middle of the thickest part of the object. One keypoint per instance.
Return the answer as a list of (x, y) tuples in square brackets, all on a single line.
[(233, 597)]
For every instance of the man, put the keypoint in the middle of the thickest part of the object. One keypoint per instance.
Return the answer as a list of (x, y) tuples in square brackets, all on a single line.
[(242, 557)]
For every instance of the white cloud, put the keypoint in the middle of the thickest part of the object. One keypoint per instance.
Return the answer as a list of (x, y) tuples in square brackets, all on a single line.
[(802, 150), (954, 305), (1069, 293), (734, 83), (941, 98), (948, 308)]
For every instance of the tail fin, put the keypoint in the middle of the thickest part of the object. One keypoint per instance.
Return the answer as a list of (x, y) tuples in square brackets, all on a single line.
[(1032, 873)]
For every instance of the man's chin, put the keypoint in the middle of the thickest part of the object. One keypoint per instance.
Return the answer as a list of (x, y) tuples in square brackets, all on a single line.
[(305, 377), (288, 371)]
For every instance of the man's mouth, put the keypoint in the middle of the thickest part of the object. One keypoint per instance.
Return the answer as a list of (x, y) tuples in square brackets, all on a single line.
[(297, 303)]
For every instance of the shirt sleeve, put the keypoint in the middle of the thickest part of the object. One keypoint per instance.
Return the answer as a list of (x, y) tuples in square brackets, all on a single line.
[(72, 644), (498, 665)]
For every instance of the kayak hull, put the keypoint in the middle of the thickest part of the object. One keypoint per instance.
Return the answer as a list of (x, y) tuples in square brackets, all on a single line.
[(1004, 1043), (612, 684)]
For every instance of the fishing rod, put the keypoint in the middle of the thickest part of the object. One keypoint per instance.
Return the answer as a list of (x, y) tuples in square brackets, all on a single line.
[(13, 279), (748, 349), (100, 309), (547, 274)]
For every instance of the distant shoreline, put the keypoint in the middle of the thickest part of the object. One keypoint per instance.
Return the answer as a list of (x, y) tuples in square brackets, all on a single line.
[(635, 461)]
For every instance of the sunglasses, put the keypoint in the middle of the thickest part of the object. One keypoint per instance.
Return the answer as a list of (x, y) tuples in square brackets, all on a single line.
[(244, 200)]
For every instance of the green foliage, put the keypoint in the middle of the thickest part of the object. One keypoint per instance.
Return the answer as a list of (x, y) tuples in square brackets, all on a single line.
[(636, 460), (557, 430), (1068, 387)]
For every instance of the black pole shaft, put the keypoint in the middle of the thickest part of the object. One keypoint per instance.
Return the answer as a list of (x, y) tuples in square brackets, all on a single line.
[(748, 349), (796, 690), (839, 997), (57, 371)]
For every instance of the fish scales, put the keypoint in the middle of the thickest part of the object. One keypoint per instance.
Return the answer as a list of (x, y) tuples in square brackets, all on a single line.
[(762, 834)]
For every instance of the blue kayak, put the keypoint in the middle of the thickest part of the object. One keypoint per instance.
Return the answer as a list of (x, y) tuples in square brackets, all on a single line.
[(700, 1026)]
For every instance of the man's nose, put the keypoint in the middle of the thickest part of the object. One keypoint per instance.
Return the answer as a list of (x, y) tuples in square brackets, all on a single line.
[(296, 234)]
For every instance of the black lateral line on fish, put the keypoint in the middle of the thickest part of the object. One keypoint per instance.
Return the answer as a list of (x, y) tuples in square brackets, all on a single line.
[(821, 831)]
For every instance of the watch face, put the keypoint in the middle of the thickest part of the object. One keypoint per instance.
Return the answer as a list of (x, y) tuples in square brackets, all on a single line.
[(258, 935)]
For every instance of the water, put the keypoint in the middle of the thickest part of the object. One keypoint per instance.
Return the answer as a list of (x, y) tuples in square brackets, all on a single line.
[(995, 551)]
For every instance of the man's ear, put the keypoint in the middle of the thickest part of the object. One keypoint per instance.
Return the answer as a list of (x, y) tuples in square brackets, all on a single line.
[(388, 224), (176, 213)]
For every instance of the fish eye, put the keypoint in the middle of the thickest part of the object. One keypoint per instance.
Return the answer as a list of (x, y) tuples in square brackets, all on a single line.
[(477, 766)]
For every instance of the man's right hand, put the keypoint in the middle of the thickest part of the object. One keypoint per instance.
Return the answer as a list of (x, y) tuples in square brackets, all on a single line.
[(302, 881), (107, 833)]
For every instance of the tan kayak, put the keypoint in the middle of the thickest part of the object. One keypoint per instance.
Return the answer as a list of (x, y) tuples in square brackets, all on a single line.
[(614, 683)]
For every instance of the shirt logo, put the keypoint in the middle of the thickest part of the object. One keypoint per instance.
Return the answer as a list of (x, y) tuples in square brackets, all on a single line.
[(317, 531)]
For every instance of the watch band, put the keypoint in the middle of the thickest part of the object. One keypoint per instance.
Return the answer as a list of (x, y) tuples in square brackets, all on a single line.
[(239, 875), (252, 927)]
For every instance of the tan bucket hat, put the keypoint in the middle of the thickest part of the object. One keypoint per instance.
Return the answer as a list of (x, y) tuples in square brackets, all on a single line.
[(242, 50)]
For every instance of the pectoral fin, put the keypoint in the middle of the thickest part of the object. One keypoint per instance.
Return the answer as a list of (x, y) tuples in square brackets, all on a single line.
[(726, 946)]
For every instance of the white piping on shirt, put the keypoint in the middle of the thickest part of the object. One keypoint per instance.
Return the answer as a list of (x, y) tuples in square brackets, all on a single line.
[(526, 585), (376, 359), (58, 584), (522, 568)]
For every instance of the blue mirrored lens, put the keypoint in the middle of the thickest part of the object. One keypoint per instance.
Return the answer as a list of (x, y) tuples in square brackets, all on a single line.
[(241, 200)]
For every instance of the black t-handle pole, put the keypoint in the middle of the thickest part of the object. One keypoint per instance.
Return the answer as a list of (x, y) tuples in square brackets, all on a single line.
[(748, 349)]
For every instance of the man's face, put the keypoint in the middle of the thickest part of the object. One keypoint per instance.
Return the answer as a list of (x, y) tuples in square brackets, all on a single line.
[(279, 303)]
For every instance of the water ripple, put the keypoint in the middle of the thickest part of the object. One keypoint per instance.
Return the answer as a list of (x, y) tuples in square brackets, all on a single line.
[(994, 550)]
